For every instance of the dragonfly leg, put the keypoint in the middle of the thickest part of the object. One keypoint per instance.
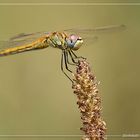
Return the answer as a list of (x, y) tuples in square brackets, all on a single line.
[(67, 56), (62, 62), (65, 60), (76, 57)]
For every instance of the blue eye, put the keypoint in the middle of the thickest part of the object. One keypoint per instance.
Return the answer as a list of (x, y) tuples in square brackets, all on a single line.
[(70, 43)]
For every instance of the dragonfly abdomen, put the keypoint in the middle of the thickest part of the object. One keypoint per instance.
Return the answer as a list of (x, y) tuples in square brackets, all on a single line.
[(14, 50), (39, 44)]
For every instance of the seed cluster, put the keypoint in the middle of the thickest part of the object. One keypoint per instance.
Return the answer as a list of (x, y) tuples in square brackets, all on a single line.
[(89, 102)]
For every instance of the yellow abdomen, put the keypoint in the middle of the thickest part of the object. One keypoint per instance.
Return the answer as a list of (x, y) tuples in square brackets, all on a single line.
[(39, 44)]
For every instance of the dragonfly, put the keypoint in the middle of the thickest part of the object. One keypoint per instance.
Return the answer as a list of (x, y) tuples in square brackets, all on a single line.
[(68, 41)]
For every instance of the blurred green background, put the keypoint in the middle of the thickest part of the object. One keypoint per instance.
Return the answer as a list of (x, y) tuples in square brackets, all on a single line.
[(37, 99)]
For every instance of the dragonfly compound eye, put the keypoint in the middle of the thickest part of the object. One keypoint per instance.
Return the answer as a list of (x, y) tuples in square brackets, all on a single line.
[(74, 42), (78, 43)]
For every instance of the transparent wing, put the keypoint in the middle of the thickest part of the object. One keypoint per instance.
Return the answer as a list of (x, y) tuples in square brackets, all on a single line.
[(90, 40), (111, 28), (10, 44), (91, 35), (21, 39), (28, 36)]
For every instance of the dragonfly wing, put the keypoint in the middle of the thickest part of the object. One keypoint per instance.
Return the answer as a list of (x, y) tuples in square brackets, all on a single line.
[(110, 28), (90, 40), (20, 36), (11, 44), (91, 35), (26, 36), (22, 39)]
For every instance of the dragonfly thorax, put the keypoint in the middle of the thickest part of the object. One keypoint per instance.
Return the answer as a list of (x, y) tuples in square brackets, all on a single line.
[(74, 42), (63, 41)]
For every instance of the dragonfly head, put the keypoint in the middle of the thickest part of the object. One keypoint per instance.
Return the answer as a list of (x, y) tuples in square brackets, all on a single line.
[(74, 42)]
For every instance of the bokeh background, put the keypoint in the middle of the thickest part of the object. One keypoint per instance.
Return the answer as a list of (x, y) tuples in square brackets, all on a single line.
[(37, 99)]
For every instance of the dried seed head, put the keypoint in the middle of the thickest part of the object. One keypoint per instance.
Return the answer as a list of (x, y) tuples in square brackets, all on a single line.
[(89, 102)]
